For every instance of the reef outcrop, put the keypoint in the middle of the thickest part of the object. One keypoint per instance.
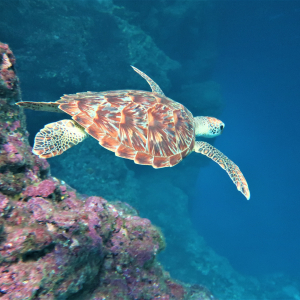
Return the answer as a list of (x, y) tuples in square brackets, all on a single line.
[(58, 244)]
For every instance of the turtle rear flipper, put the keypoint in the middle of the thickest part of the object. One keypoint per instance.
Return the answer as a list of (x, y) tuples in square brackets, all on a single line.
[(225, 163), (41, 106), (57, 137)]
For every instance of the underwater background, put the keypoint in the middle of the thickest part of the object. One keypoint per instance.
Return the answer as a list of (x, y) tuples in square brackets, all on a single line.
[(234, 60)]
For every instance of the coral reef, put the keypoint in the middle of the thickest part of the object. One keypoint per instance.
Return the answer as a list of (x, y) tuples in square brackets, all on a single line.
[(18, 168), (57, 244), (7, 73)]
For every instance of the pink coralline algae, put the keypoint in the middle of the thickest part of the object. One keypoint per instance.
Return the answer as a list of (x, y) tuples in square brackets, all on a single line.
[(45, 188), (18, 167), (56, 244), (7, 62), (90, 243)]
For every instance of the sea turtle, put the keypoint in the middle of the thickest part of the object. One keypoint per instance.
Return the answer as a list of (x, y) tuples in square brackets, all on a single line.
[(147, 127)]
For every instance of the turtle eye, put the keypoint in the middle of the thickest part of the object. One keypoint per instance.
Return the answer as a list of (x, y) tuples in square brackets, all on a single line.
[(222, 127)]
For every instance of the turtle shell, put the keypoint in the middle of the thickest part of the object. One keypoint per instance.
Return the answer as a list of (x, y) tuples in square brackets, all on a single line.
[(148, 128)]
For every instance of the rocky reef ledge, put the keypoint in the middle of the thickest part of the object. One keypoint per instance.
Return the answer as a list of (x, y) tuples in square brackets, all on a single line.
[(57, 244)]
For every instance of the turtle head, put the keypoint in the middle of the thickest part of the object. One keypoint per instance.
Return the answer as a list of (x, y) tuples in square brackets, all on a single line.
[(208, 127)]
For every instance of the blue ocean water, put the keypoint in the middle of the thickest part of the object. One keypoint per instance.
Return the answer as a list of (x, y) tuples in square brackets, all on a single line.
[(258, 70)]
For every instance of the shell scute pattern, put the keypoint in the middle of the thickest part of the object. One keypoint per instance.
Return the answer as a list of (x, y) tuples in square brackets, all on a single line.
[(109, 143), (143, 158), (161, 131), (95, 132), (133, 127), (170, 103), (108, 119), (175, 159), (184, 129), (138, 125), (143, 99), (118, 101), (161, 162), (89, 106), (125, 152), (83, 118)]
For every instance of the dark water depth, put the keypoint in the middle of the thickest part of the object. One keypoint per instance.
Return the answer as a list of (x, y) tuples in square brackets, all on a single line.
[(259, 72)]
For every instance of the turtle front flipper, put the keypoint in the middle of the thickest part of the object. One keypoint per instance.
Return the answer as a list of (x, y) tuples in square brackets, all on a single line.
[(154, 86), (224, 162), (57, 137)]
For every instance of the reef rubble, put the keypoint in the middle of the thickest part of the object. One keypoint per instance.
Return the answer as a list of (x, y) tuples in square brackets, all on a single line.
[(58, 244)]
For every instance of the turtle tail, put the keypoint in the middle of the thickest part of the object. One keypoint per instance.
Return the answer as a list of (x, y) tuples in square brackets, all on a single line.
[(41, 106)]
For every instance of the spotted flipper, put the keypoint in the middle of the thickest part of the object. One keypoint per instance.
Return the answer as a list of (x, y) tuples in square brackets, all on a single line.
[(41, 106), (224, 162), (154, 86), (57, 137)]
